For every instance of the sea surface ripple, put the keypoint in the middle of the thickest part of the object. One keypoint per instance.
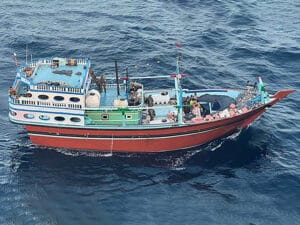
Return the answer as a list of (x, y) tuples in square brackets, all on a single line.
[(251, 178)]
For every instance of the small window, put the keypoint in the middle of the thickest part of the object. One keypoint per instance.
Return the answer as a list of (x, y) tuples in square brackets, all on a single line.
[(44, 117), (59, 118), (27, 95), (28, 116), (75, 119), (128, 117), (59, 98), (43, 97), (13, 113), (74, 99), (104, 116)]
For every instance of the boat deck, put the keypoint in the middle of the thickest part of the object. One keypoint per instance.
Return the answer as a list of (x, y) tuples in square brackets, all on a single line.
[(107, 98), (71, 76)]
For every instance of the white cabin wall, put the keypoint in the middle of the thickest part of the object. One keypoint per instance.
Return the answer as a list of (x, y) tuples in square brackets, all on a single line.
[(18, 114)]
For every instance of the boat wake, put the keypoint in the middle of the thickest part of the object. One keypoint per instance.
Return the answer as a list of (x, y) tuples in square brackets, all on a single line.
[(168, 160), (173, 160), (234, 136), (179, 163), (75, 153)]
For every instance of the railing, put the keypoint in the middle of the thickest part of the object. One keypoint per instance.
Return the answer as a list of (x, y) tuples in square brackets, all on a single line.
[(43, 103), (56, 88), (138, 107), (81, 61), (27, 102), (74, 106), (15, 101), (59, 105)]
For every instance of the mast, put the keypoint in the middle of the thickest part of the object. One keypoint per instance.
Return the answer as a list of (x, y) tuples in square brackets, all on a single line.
[(117, 78), (178, 87), (127, 84), (26, 51), (178, 90)]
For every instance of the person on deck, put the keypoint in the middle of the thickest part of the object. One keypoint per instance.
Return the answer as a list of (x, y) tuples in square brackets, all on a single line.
[(196, 110), (102, 84)]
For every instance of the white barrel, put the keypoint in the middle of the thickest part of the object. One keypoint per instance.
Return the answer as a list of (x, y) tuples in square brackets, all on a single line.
[(120, 103), (92, 99), (161, 99)]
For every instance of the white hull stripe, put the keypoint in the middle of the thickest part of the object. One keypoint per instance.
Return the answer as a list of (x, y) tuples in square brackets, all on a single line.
[(52, 112), (124, 138), (12, 105)]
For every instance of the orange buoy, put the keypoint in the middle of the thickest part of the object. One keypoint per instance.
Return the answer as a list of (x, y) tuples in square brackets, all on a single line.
[(244, 110), (197, 119), (232, 112), (217, 116), (208, 118)]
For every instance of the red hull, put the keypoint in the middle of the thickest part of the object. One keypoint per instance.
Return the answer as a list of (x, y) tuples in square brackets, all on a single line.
[(144, 140), (150, 140)]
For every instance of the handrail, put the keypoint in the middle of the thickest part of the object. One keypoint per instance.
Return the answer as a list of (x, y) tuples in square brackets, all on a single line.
[(133, 107)]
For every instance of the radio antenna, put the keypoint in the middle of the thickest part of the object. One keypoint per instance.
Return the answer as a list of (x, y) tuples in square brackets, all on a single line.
[(16, 60), (26, 50)]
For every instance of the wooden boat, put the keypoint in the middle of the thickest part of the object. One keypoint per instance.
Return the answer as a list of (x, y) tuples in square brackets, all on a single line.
[(63, 104)]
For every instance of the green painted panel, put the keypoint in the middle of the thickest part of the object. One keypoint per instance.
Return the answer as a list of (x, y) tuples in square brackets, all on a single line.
[(113, 117)]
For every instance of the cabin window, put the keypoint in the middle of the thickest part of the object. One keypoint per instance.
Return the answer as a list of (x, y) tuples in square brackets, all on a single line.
[(128, 117), (44, 117), (59, 98), (59, 118), (104, 116), (28, 116), (43, 97), (13, 113), (74, 99), (27, 95), (75, 119)]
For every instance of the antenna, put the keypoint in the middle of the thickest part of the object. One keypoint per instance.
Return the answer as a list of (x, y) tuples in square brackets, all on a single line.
[(117, 77), (26, 50), (16, 60), (178, 45)]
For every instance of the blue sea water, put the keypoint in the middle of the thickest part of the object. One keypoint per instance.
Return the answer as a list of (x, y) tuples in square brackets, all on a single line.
[(250, 178)]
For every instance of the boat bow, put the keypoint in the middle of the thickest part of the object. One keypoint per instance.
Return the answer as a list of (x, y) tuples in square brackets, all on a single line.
[(280, 95)]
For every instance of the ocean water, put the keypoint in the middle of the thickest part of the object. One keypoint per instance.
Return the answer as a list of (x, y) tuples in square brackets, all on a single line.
[(250, 178)]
